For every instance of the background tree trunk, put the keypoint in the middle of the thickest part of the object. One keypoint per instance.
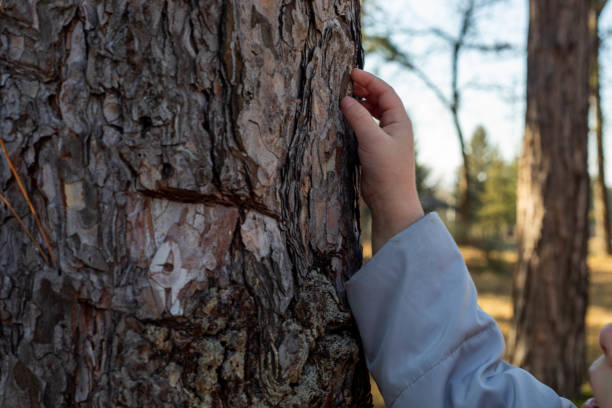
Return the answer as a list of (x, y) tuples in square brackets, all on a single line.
[(194, 173), (600, 192), (551, 278)]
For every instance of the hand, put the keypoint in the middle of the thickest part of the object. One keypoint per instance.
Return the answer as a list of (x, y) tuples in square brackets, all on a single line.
[(600, 372), (386, 153), (591, 403)]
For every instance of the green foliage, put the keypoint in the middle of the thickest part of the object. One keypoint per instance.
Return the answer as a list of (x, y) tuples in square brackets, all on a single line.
[(497, 214), (427, 189), (480, 156), (493, 184)]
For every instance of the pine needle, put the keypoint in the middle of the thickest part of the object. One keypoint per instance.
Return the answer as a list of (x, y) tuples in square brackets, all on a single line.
[(27, 197), (25, 229)]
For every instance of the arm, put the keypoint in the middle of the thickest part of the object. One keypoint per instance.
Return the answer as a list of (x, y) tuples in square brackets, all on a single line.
[(427, 343)]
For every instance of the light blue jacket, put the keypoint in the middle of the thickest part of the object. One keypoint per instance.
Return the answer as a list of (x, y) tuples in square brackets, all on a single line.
[(427, 342)]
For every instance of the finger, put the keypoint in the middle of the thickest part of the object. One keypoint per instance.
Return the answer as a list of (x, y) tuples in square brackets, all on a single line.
[(360, 91), (371, 108), (605, 341), (366, 130), (379, 92)]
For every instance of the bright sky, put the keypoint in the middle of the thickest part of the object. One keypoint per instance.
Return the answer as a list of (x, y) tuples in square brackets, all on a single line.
[(493, 85)]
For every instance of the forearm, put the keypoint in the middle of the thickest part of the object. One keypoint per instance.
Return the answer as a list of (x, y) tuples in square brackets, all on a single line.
[(426, 341)]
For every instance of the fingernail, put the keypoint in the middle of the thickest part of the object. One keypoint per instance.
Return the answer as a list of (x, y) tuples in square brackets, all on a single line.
[(347, 102)]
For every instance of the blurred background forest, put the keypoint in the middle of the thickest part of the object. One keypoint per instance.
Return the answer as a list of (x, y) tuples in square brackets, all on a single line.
[(461, 69)]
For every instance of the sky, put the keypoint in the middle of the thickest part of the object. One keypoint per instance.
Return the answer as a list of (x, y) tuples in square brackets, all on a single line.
[(492, 85)]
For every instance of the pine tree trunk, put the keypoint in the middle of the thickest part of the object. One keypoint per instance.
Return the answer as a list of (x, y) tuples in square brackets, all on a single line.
[(600, 196), (551, 278), (193, 171)]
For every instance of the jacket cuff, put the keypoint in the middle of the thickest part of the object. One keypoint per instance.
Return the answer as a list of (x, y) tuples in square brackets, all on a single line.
[(414, 302)]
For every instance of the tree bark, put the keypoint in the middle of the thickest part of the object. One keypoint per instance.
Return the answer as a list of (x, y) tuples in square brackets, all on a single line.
[(551, 278), (600, 195), (193, 171)]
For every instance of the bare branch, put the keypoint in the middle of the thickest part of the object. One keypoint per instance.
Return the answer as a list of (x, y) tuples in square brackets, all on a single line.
[(496, 47), (391, 53), (445, 36)]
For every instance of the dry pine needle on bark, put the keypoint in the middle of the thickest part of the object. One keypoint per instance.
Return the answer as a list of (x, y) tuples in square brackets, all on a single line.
[(27, 197)]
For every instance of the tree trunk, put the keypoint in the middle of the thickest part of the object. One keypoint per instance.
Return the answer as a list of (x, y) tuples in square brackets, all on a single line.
[(464, 218), (551, 278), (600, 196), (193, 171)]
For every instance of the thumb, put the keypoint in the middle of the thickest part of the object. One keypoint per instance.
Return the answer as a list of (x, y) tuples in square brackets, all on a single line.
[(360, 120)]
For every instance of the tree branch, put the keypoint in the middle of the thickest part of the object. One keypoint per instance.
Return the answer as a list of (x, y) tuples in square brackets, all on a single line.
[(391, 53)]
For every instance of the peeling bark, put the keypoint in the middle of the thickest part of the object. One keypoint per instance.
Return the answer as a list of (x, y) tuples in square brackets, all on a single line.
[(194, 173)]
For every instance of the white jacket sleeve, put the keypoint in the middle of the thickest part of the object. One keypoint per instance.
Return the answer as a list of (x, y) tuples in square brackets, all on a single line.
[(427, 342)]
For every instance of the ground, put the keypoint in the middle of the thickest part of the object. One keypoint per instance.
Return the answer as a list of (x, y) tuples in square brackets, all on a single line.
[(493, 279)]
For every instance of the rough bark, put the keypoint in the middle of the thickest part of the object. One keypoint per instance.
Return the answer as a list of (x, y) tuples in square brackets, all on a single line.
[(551, 278), (603, 243), (196, 178)]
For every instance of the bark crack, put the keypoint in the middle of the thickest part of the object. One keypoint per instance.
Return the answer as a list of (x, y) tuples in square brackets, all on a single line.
[(194, 197)]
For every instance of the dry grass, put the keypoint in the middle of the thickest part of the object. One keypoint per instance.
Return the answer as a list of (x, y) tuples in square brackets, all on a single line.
[(494, 282), (495, 298), (30, 206)]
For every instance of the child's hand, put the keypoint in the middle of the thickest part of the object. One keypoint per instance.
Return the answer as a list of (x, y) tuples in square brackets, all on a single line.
[(591, 403), (600, 372), (386, 153)]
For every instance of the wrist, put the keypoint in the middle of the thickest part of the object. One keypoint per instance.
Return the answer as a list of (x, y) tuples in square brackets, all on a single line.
[(390, 218)]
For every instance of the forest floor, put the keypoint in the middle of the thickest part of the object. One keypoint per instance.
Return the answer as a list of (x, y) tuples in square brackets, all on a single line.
[(493, 278)]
